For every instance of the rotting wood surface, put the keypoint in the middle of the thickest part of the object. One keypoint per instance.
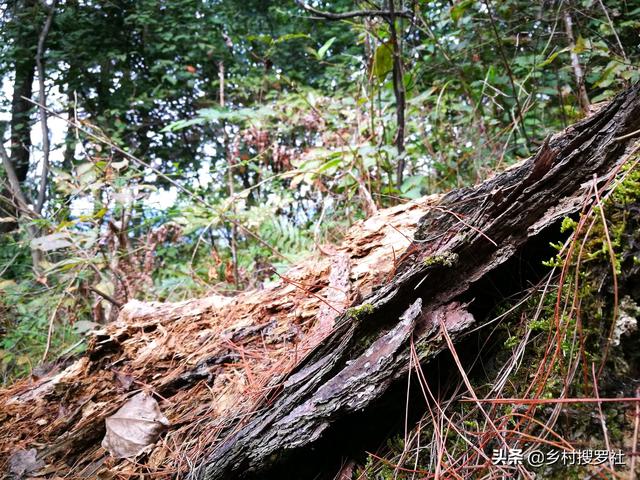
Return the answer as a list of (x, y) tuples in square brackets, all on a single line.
[(465, 238), (207, 360)]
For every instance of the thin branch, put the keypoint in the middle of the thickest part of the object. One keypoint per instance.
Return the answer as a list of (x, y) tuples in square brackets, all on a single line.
[(355, 14), (228, 154), (50, 330), (46, 147), (613, 29), (107, 297), (14, 183), (399, 92), (20, 200)]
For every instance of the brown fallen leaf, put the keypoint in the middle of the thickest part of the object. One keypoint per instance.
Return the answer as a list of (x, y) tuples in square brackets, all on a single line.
[(134, 427)]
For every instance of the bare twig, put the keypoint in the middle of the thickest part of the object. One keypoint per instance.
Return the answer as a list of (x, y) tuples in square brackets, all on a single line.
[(628, 135), (107, 297), (615, 33), (50, 330), (603, 421), (355, 14), (14, 183)]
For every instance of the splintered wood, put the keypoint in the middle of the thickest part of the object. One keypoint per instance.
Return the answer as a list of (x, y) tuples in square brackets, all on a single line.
[(207, 361)]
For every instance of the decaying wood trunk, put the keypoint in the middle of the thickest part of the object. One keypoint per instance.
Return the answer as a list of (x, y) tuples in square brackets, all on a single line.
[(462, 246), (208, 361)]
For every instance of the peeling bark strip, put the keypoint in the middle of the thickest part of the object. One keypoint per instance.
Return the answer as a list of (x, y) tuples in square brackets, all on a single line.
[(337, 297), (458, 243)]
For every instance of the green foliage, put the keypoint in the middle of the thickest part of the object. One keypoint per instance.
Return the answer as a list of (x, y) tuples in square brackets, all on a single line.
[(24, 342)]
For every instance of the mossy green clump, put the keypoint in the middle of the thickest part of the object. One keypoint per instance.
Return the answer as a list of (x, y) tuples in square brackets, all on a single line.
[(568, 224), (445, 259), (361, 311)]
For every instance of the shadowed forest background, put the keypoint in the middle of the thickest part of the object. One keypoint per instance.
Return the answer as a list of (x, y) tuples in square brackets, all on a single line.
[(163, 150)]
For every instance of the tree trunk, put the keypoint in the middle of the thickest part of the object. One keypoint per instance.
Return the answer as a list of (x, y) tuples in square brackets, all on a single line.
[(25, 64), (462, 249), (581, 89)]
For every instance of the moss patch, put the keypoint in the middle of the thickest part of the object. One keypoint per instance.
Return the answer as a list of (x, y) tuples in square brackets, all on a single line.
[(359, 312), (445, 259)]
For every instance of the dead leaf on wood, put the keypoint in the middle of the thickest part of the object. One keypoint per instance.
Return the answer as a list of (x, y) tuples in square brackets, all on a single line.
[(134, 427), (23, 462)]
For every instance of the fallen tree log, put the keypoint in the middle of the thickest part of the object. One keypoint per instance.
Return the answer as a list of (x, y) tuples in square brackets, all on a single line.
[(209, 360), (461, 245), (206, 360)]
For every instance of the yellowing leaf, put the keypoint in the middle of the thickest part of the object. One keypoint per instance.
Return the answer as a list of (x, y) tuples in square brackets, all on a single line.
[(4, 284), (382, 61)]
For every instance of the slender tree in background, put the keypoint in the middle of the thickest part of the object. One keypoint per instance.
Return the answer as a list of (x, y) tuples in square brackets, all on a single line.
[(393, 17)]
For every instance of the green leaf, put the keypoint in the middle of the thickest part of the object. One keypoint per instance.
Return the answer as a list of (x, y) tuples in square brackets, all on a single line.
[(458, 9), (290, 36), (324, 48), (382, 61), (330, 164), (552, 57)]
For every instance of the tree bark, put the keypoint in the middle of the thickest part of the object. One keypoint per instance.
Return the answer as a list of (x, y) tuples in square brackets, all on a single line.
[(462, 246)]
